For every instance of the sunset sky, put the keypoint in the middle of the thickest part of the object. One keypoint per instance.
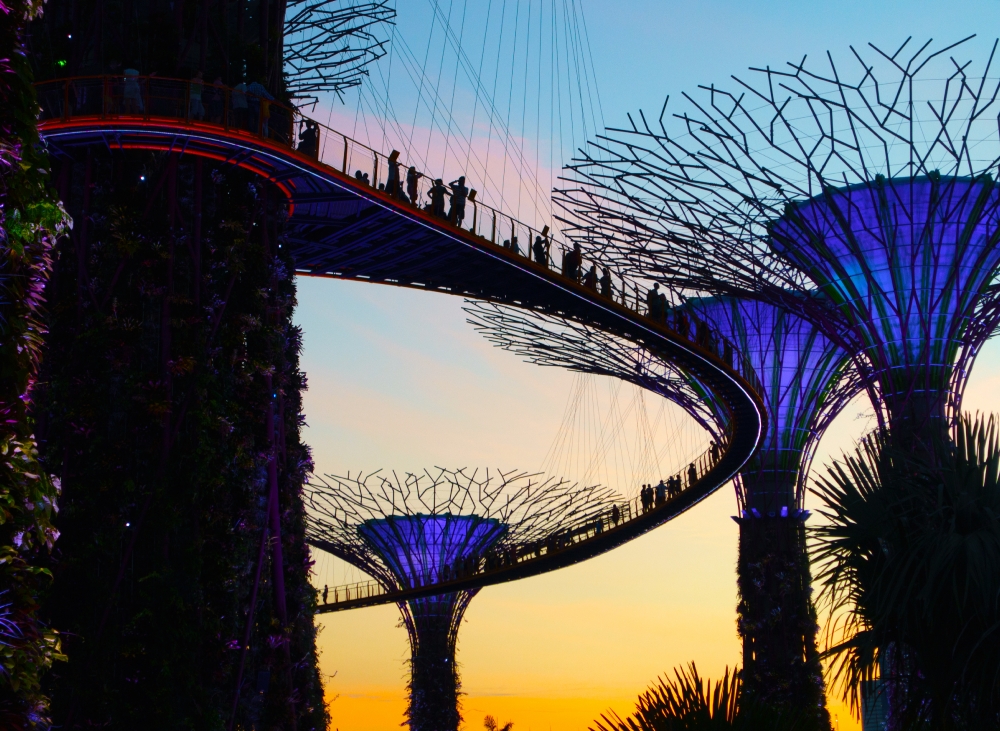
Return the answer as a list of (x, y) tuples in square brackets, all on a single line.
[(398, 380)]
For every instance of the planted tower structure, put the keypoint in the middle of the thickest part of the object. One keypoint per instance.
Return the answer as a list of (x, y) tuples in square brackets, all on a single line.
[(424, 529), (169, 401), (805, 380)]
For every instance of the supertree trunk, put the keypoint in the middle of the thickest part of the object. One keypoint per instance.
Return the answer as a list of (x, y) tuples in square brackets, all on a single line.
[(171, 337), (434, 679), (776, 618), (170, 405)]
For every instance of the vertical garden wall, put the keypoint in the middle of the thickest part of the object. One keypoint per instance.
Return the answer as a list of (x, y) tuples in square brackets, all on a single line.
[(30, 220), (169, 404)]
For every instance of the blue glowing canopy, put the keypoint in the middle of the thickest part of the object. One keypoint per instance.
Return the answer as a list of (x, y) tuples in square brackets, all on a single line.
[(906, 261), (418, 547), (800, 371)]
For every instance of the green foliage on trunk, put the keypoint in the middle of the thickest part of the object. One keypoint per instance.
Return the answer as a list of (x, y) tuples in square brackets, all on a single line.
[(171, 338), (777, 620), (30, 221)]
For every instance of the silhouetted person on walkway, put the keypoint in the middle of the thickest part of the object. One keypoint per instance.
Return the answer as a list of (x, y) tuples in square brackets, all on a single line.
[(392, 178), (459, 194), (653, 302), (590, 278), (572, 260), (662, 314), (309, 139), (514, 247), (692, 475), (616, 514), (541, 251), (196, 110), (714, 449), (239, 102), (216, 96), (412, 176), (326, 593), (437, 194), (682, 325), (701, 334), (132, 94), (606, 283), (260, 106), (661, 493)]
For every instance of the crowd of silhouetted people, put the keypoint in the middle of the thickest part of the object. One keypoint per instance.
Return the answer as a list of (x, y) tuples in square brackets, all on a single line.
[(252, 107)]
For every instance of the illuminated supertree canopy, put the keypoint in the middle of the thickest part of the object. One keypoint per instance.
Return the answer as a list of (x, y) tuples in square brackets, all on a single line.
[(906, 262), (869, 181), (801, 372), (805, 380), (419, 529)]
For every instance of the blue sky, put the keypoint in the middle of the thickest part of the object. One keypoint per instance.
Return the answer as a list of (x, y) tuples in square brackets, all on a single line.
[(398, 380)]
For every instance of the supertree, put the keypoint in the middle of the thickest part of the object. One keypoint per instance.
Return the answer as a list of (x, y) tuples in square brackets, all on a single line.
[(170, 397), (805, 380), (859, 197), (804, 386), (418, 529), (870, 183)]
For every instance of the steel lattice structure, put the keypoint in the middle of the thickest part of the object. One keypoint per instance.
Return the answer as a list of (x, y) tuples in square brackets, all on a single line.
[(419, 529), (870, 182), (553, 340), (328, 44)]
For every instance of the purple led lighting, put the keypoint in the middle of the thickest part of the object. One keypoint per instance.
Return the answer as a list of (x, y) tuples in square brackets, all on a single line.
[(906, 261), (418, 547), (800, 371)]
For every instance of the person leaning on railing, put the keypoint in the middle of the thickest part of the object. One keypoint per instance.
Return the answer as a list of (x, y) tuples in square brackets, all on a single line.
[(196, 110), (133, 93), (309, 139), (240, 109)]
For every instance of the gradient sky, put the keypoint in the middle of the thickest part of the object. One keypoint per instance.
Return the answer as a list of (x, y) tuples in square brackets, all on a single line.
[(398, 380)]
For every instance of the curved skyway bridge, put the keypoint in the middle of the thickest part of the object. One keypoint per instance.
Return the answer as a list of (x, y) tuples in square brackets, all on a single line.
[(357, 219)]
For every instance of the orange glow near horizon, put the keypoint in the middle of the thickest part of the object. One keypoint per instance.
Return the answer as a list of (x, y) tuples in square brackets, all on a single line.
[(553, 652)]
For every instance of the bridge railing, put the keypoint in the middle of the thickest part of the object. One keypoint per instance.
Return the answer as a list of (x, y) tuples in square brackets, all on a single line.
[(250, 110), (497, 560)]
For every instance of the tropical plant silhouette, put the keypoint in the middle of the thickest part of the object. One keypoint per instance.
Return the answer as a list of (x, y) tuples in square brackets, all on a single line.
[(688, 702), (491, 724), (909, 565)]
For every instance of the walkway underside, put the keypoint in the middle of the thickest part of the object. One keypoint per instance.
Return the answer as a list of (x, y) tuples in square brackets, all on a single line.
[(342, 228)]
